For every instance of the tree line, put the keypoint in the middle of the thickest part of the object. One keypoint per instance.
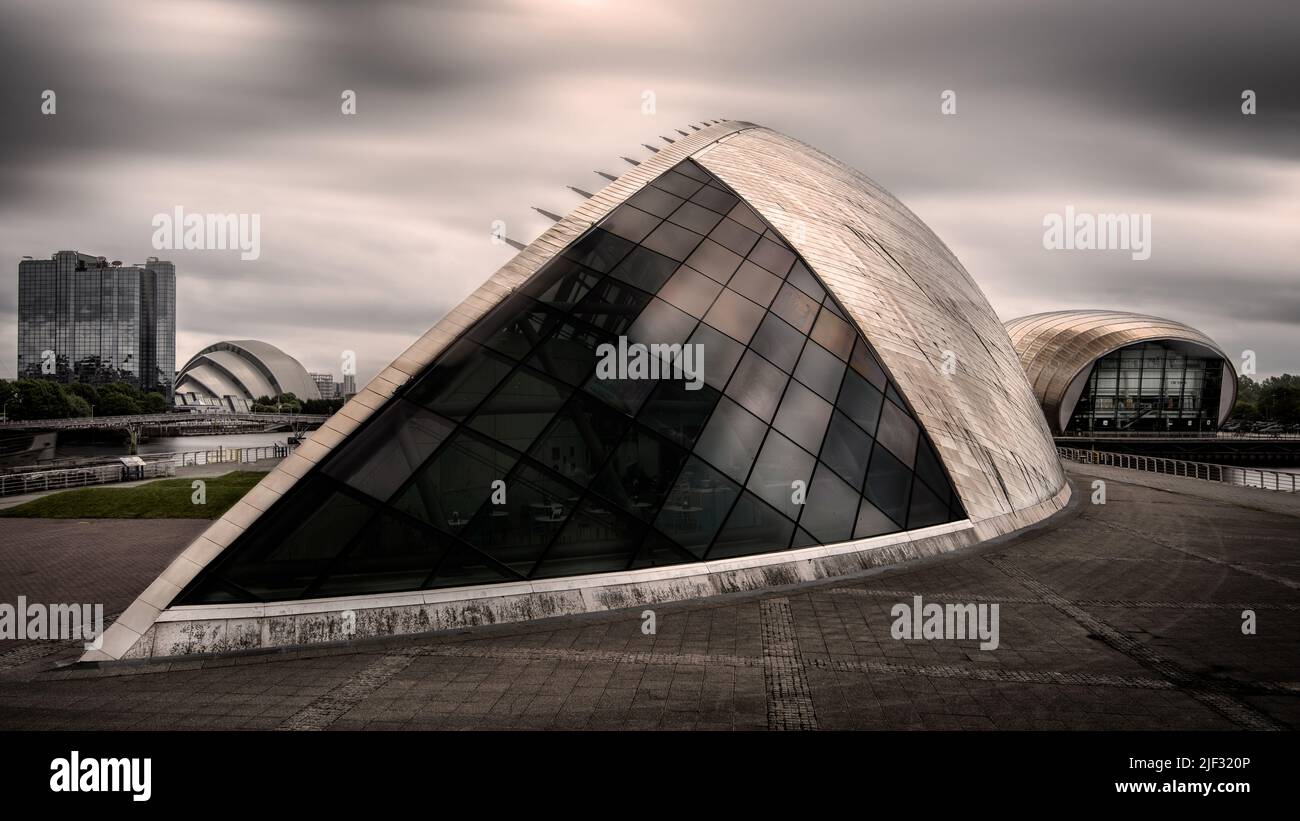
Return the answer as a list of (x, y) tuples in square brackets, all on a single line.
[(47, 399), (1275, 399)]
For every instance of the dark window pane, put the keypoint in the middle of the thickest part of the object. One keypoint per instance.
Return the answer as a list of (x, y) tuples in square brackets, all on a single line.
[(640, 472), (929, 469), (382, 455), (645, 269), (715, 198), (752, 527), (462, 377), (673, 241), (715, 261), (390, 555), (691, 291), (690, 169), (803, 417), (888, 484), (719, 354), (448, 490), (520, 408), (295, 541), (599, 250), (576, 444), (661, 323), (561, 283), (757, 385), (820, 371), (779, 466), (846, 450), (871, 522), (731, 440), (695, 217), (611, 306), (831, 306), (462, 567), (898, 433), (514, 326), (625, 395), (656, 201), (801, 278), (675, 183), (832, 508), (755, 283), (747, 217), (697, 506), (677, 412), (596, 539), (926, 508), (771, 256), (660, 551), (892, 394), (569, 353), (731, 234), (778, 342), (795, 307), (735, 316), (860, 402), (865, 363), (517, 532), (630, 223), (834, 334)]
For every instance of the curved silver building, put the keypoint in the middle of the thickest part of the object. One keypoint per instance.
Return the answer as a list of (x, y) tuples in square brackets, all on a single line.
[(1099, 371), (741, 364), (245, 369)]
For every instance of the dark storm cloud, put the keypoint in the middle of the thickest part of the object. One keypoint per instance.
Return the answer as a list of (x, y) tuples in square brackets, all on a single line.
[(375, 225)]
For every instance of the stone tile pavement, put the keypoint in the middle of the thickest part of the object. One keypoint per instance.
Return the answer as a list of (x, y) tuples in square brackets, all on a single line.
[(1116, 616)]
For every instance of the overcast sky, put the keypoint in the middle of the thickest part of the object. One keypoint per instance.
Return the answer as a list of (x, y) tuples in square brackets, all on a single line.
[(374, 225)]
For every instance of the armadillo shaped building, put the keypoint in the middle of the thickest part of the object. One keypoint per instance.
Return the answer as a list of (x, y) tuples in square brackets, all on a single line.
[(849, 398)]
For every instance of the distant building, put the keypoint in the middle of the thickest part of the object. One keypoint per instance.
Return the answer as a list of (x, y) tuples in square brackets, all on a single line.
[(349, 387), (84, 319), (1096, 370), (326, 385), (242, 371)]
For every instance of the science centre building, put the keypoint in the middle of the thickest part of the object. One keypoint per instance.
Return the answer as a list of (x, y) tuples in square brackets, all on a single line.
[(741, 364), (1114, 371)]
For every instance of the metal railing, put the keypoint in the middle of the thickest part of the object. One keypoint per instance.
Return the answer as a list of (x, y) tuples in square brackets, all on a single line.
[(1227, 474), (171, 418), (1173, 434), (155, 465)]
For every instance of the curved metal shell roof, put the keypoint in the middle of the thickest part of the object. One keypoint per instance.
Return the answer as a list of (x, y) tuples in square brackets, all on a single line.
[(902, 287), (1057, 350), (245, 368)]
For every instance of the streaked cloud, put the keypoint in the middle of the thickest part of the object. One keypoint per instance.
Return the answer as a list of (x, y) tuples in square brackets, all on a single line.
[(373, 226)]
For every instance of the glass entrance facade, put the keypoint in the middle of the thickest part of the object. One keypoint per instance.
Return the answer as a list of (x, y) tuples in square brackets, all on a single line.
[(518, 455), (1152, 386)]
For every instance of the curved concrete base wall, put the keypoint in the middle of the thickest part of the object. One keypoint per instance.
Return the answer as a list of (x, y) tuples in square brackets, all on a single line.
[(183, 631)]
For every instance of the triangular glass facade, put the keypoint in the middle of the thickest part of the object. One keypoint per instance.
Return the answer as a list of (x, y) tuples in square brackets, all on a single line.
[(785, 432)]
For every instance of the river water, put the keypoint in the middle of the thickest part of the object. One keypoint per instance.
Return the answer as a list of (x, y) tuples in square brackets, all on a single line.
[(174, 444)]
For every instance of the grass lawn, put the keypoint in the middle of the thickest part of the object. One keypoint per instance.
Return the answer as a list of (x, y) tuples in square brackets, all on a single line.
[(163, 499)]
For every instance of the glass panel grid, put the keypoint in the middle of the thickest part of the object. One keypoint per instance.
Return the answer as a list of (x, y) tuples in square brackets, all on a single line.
[(645, 474)]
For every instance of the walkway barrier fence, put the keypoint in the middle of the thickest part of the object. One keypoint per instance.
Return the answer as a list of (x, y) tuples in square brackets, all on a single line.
[(155, 465), (1227, 474)]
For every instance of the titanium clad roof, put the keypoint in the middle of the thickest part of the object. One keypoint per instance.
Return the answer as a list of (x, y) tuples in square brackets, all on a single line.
[(246, 368), (904, 290), (1056, 347), (913, 301)]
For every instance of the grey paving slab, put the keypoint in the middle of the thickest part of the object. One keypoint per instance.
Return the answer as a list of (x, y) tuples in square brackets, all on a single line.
[(1118, 616)]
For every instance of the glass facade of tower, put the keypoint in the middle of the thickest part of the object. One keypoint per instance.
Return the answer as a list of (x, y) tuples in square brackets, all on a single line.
[(520, 453), (81, 319), (1156, 386)]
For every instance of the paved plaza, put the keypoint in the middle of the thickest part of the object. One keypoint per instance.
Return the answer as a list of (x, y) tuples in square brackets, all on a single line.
[(1126, 615)]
